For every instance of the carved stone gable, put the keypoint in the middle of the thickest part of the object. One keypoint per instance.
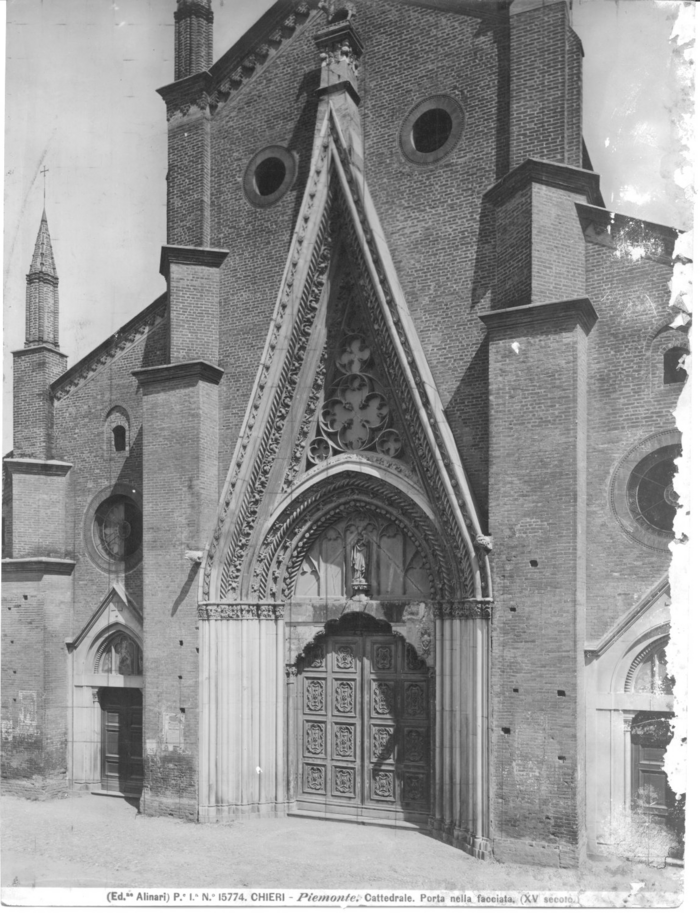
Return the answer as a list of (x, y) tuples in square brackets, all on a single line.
[(344, 400)]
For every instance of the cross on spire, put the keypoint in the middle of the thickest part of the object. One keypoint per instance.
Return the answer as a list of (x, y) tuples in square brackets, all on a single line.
[(43, 172)]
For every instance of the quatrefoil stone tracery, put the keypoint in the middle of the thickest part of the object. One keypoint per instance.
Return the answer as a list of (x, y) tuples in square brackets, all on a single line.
[(356, 417), (356, 413)]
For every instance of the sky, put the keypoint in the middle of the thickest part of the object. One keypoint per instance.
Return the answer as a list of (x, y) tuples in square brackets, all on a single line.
[(80, 100)]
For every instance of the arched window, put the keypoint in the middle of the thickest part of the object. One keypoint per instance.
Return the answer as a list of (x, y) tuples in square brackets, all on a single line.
[(120, 656), (117, 432), (648, 673), (674, 372), (119, 435)]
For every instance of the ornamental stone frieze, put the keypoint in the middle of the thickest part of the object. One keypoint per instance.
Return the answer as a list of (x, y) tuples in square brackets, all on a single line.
[(464, 608), (248, 611)]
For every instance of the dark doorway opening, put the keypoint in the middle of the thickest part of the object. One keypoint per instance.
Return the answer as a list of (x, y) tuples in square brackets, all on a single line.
[(122, 741)]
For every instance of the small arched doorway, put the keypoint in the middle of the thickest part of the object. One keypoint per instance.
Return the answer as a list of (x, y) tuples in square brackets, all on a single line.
[(363, 723), (121, 765)]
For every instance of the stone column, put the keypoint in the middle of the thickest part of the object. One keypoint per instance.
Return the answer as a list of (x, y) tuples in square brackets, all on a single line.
[(461, 814), (242, 768)]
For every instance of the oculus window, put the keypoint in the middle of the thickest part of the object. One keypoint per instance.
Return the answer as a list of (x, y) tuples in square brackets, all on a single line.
[(269, 175), (431, 130)]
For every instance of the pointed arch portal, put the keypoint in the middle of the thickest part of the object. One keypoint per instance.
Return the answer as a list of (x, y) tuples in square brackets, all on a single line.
[(345, 495)]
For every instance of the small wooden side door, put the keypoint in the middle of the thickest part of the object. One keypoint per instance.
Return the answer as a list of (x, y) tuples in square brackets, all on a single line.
[(122, 741)]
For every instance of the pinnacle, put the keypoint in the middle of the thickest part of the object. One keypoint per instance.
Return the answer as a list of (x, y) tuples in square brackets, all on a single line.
[(42, 260)]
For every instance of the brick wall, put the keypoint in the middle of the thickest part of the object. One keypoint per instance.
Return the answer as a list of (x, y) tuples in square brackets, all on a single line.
[(35, 614), (189, 169), (193, 308), (32, 410), (627, 402), (546, 84), (39, 513), (558, 263)]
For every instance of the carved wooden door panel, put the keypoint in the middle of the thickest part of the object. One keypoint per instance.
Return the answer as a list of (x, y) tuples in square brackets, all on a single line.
[(364, 742), (122, 753)]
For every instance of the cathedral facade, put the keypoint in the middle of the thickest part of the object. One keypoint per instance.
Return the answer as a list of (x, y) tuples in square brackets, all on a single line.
[(368, 515)]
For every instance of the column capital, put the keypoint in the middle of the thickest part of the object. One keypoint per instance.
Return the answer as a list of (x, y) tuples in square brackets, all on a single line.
[(240, 611)]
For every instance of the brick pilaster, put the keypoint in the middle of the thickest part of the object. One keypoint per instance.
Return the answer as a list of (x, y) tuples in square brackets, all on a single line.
[(180, 450), (537, 488)]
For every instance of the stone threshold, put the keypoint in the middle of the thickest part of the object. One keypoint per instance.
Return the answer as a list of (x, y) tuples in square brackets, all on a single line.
[(114, 793), (361, 820)]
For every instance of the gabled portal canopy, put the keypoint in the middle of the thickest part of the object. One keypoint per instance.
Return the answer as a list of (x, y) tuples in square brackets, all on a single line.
[(343, 381)]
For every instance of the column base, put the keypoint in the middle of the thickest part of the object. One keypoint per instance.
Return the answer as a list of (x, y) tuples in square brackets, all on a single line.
[(475, 845)]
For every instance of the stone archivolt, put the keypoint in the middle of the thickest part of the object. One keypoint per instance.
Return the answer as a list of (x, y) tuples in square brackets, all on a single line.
[(336, 498)]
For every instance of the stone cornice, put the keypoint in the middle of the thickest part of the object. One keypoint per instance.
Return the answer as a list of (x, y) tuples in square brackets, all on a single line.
[(29, 466), (240, 611), (30, 348), (638, 238), (38, 565), (543, 172), (190, 255), (123, 338), (241, 62), (580, 309), (190, 369), (524, 6)]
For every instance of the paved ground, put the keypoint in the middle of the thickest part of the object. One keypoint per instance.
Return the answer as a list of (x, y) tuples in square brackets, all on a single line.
[(102, 841)]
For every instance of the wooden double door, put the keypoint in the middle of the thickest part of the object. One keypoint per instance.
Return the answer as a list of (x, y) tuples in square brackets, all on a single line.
[(364, 729), (122, 741)]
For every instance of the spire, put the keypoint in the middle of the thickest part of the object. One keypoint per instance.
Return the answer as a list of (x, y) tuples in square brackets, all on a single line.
[(42, 292), (193, 37), (42, 260)]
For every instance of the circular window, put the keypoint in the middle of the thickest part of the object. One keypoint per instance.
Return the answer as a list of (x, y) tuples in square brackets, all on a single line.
[(114, 528), (432, 130), (650, 493), (269, 175), (117, 528), (642, 493)]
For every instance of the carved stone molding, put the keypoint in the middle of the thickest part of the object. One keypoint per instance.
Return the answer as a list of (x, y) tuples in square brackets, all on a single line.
[(248, 611), (252, 489)]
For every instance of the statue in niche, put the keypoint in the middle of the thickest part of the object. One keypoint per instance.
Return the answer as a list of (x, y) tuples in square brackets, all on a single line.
[(360, 585)]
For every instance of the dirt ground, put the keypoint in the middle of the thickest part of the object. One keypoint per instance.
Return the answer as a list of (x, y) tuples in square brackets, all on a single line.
[(93, 841)]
